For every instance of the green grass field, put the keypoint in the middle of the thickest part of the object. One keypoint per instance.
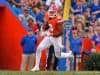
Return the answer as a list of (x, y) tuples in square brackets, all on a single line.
[(49, 73)]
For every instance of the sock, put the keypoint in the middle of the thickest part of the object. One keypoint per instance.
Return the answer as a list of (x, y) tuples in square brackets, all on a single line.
[(38, 56)]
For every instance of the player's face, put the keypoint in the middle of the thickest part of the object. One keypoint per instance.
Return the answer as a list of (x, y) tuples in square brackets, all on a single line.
[(52, 13)]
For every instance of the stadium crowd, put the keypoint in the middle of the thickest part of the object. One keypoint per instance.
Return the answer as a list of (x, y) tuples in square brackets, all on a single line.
[(83, 36)]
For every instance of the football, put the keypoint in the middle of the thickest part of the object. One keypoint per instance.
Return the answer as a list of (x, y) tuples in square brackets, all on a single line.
[(45, 27)]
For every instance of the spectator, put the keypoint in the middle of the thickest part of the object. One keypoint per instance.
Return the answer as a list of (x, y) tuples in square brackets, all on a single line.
[(80, 19), (80, 29), (90, 1), (12, 2), (58, 3), (37, 3), (73, 2), (15, 7), (84, 3), (32, 25), (87, 41), (96, 39), (77, 9), (95, 8), (28, 44), (87, 14), (90, 32), (25, 15), (75, 44), (93, 19), (17, 2), (39, 16)]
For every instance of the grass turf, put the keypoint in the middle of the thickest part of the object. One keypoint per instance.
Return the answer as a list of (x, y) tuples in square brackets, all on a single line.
[(49, 73)]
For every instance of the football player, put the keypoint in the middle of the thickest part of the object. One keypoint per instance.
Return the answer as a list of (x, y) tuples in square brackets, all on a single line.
[(54, 30)]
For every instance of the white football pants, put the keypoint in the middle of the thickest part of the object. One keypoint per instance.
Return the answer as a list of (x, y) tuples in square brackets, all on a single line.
[(47, 42)]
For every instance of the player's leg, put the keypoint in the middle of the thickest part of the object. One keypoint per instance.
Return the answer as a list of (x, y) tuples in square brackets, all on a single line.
[(44, 44), (31, 61), (57, 49), (58, 46), (23, 62)]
